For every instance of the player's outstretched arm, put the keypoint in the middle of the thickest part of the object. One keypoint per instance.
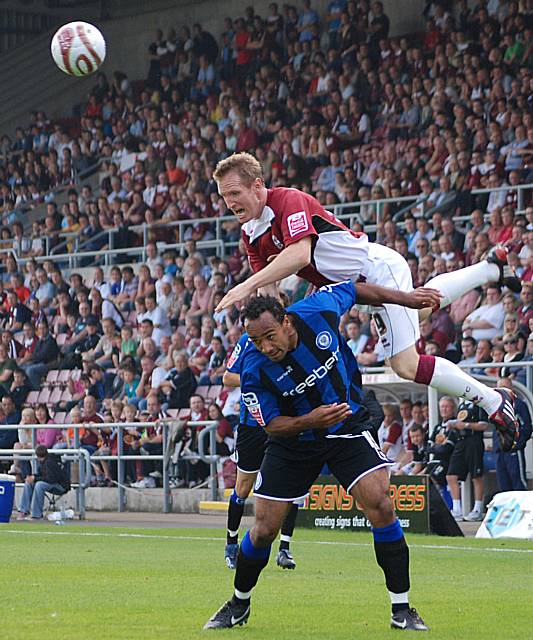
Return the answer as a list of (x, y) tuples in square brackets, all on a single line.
[(375, 295), (322, 417), (293, 258)]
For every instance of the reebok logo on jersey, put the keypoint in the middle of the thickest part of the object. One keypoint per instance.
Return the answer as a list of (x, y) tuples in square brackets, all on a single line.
[(297, 222), (316, 374)]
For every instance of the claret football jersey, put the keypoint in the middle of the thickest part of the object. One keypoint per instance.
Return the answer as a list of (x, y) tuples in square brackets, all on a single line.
[(289, 215)]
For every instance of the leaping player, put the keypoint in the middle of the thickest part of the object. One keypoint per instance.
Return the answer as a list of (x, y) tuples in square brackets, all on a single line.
[(305, 239)]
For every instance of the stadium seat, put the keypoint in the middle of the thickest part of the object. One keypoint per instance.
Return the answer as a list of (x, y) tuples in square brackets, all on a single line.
[(184, 413), (66, 396), (61, 339), (32, 398), (51, 377), (63, 376), (214, 391), (55, 396), (44, 395), (173, 413), (60, 417), (202, 390)]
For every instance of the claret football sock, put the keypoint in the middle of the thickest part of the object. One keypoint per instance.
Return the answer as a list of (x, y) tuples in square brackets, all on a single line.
[(449, 379)]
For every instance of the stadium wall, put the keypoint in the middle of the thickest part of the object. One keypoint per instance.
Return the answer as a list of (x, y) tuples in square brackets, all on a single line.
[(30, 80)]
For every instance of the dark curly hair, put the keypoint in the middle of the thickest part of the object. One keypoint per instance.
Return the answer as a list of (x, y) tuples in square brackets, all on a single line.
[(258, 305)]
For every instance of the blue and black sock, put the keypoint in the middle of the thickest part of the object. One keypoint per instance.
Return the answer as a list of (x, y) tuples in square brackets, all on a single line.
[(235, 513), (250, 562), (392, 554), (287, 528)]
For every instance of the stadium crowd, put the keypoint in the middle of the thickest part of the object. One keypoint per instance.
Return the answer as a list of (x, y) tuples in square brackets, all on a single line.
[(332, 105)]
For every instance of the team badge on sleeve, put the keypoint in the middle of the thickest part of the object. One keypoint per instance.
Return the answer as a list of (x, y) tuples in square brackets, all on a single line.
[(324, 340), (251, 402), (296, 223)]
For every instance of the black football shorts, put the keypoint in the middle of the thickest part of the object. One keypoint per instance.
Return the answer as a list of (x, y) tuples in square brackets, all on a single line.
[(287, 473), (249, 448)]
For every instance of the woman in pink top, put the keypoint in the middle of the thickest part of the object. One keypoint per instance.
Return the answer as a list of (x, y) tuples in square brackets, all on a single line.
[(46, 437)]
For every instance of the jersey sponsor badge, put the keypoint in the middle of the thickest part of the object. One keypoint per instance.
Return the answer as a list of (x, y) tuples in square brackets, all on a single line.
[(251, 402), (297, 222), (234, 355), (324, 340)]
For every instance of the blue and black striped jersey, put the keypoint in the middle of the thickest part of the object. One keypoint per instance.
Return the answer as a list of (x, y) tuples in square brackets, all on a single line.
[(320, 370)]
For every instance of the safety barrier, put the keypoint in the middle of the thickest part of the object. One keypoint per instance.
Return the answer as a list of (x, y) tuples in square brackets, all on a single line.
[(206, 441)]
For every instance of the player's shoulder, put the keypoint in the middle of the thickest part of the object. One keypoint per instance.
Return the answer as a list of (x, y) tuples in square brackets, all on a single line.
[(282, 195)]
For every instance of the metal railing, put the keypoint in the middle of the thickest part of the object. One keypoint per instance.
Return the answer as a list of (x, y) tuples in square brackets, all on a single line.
[(71, 455), (216, 223), (208, 433)]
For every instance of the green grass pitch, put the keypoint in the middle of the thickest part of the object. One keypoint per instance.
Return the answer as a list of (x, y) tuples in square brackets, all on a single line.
[(77, 582)]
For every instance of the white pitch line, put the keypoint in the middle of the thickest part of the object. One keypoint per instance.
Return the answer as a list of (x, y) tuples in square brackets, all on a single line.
[(145, 536)]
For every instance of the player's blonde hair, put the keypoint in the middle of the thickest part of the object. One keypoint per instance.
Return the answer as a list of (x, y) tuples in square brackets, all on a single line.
[(247, 167)]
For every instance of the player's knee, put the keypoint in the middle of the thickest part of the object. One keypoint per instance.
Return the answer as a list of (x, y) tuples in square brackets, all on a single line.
[(383, 509), (264, 532), (405, 364), (244, 484)]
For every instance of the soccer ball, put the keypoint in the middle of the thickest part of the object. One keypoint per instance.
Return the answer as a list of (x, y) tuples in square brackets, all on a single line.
[(78, 48)]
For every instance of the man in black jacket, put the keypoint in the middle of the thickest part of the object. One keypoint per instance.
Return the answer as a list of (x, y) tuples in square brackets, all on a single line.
[(51, 477), (43, 357)]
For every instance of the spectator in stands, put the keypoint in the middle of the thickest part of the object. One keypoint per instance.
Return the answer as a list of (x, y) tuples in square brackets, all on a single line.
[(43, 358), (51, 478), (390, 434), (151, 443), (468, 350), (467, 458), (487, 320), (180, 383), (511, 466)]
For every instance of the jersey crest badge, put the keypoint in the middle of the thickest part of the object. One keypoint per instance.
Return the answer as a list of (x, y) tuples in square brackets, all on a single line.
[(296, 223), (277, 242), (324, 340)]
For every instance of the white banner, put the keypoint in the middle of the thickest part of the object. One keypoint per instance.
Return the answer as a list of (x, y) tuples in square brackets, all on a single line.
[(509, 515)]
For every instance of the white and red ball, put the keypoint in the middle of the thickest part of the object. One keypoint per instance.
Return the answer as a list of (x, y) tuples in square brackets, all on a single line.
[(78, 48)]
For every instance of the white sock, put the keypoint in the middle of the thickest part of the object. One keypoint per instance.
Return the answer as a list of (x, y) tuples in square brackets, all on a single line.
[(454, 285), (243, 595), (449, 379), (456, 508), (399, 598), (284, 538), (478, 505)]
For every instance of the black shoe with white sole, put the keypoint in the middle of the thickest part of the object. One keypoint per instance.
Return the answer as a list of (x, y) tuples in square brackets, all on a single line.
[(230, 614), (285, 560), (408, 620)]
